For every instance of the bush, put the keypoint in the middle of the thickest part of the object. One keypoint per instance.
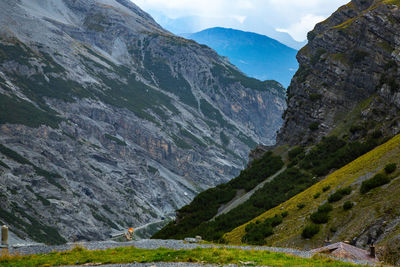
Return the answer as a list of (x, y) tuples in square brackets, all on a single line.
[(390, 168), (284, 214), (317, 195), (301, 206), (315, 97), (348, 205), (376, 181), (325, 208), (338, 195), (326, 188), (257, 232), (319, 217), (333, 229), (296, 152), (314, 126), (310, 231)]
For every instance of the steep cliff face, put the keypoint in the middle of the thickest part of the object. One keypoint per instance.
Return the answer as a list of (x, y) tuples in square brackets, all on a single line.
[(347, 83), (108, 121)]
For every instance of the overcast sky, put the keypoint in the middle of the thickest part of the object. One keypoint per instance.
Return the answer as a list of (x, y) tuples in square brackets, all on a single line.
[(295, 17)]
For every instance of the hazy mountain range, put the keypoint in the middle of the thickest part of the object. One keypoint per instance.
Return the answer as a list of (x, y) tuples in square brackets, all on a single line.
[(256, 55)]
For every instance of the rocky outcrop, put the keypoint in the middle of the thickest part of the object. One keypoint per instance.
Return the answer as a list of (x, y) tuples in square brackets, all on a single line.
[(347, 83), (108, 121)]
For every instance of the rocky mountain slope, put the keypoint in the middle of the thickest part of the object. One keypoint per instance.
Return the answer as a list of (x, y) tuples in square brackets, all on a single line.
[(342, 104), (256, 55), (347, 83), (108, 121)]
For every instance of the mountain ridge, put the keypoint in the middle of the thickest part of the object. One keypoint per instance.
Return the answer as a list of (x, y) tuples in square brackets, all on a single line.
[(256, 55)]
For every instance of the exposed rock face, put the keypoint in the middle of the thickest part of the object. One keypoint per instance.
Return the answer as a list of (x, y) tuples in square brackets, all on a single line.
[(117, 122), (348, 81)]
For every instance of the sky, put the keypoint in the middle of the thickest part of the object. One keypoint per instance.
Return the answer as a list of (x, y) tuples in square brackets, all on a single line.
[(295, 17)]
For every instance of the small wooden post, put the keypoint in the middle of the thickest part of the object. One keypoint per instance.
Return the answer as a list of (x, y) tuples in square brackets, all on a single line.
[(4, 235), (372, 251)]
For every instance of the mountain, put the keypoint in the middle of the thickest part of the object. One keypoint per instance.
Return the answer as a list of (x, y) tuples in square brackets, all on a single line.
[(347, 81), (108, 121), (334, 173), (187, 25), (256, 55)]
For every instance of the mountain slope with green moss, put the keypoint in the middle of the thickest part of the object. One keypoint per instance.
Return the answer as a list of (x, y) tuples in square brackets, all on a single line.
[(360, 216)]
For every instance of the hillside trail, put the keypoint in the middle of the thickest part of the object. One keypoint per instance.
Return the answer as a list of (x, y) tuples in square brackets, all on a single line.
[(238, 200)]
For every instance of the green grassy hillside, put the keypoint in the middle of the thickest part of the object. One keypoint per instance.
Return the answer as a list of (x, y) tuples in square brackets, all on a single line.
[(348, 211)]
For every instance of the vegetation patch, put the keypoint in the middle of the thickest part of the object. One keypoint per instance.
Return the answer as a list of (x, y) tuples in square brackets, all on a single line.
[(4, 165), (348, 205), (219, 256), (310, 231), (390, 168), (20, 159), (25, 113), (224, 139), (169, 82), (194, 218), (115, 139), (332, 153), (35, 229), (258, 231), (322, 215), (376, 181), (213, 114), (228, 76), (349, 175), (339, 194)]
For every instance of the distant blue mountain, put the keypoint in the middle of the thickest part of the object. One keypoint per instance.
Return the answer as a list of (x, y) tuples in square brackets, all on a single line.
[(256, 55)]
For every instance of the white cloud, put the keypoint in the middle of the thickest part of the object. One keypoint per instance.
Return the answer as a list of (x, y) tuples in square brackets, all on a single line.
[(300, 29), (292, 16)]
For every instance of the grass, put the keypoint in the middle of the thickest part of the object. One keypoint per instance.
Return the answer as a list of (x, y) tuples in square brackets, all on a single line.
[(51, 177), (81, 256), (369, 207), (25, 113), (115, 139)]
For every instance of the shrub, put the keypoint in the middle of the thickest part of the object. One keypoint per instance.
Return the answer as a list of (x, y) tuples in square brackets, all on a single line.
[(358, 56), (315, 97), (348, 205), (390, 168), (317, 195), (325, 208), (295, 152), (301, 206), (338, 195), (333, 229), (314, 126), (310, 231), (377, 134), (284, 214), (326, 188), (319, 217), (376, 181), (257, 232)]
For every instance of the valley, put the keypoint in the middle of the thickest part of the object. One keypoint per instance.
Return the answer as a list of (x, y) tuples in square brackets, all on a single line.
[(108, 121)]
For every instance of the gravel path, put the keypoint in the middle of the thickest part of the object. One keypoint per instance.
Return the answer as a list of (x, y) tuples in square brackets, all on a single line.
[(236, 202), (154, 244)]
